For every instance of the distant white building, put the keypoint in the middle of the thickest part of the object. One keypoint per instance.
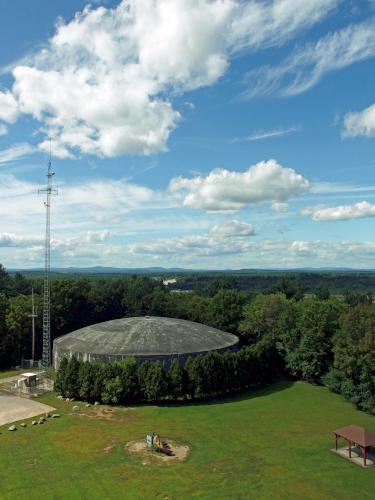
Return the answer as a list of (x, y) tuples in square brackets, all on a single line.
[(171, 281)]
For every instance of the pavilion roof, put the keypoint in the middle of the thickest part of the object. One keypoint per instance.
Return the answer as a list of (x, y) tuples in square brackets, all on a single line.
[(356, 434)]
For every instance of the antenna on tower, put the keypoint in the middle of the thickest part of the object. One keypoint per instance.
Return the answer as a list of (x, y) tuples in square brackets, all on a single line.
[(49, 190)]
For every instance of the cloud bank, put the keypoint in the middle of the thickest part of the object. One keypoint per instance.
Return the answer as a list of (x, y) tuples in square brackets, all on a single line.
[(226, 238)]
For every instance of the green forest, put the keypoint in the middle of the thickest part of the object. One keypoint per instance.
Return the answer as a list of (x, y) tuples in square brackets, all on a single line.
[(285, 331)]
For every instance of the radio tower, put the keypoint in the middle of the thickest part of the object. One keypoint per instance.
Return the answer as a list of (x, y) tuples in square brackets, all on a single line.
[(49, 190), (33, 315)]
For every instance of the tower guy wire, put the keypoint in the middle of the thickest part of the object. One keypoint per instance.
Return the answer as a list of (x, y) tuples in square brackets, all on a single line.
[(49, 190)]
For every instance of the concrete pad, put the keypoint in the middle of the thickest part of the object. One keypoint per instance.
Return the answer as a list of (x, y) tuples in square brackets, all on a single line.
[(13, 408), (14, 378), (356, 456)]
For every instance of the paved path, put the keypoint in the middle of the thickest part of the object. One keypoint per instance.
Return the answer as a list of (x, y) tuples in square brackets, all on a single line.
[(13, 408)]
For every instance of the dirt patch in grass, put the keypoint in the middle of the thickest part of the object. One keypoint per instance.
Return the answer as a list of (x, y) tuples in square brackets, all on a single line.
[(104, 413), (147, 457), (97, 413), (110, 447), (101, 413)]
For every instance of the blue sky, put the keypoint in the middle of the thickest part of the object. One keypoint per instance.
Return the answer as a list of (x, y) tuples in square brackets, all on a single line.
[(191, 133)]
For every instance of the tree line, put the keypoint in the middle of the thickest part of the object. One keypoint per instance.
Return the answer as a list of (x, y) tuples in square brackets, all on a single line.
[(317, 337), (321, 341), (203, 376), (338, 282)]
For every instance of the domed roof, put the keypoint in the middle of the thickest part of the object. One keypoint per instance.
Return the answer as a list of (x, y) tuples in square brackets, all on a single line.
[(145, 335)]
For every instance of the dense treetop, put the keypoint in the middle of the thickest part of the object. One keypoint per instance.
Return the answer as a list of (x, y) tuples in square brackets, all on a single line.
[(318, 336)]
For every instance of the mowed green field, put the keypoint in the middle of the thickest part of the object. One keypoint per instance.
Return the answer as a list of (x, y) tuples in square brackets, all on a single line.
[(273, 444)]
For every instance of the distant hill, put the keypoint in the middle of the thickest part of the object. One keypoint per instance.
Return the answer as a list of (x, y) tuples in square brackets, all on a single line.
[(104, 270), (180, 270)]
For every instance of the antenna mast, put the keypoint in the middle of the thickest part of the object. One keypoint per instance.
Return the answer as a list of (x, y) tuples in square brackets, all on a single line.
[(49, 190)]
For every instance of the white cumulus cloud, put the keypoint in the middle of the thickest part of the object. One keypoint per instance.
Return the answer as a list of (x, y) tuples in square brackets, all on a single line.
[(343, 212), (229, 191), (360, 123), (232, 228), (8, 107), (105, 81)]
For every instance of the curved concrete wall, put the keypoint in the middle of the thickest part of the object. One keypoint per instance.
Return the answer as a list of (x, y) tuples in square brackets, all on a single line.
[(59, 353)]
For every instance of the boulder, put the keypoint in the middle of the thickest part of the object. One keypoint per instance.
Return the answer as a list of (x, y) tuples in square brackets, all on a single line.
[(97, 403), (34, 422), (12, 428), (75, 408), (87, 405), (56, 415), (23, 424)]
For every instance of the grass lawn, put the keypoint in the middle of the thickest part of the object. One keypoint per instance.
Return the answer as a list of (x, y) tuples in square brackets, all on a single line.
[(272, 444), (12, 373)]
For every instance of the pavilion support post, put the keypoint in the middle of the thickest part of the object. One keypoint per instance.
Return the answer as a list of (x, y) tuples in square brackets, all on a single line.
[(350, 448), (336, 442), (364, 455)]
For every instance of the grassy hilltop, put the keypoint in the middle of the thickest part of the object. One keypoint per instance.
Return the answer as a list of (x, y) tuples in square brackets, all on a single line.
[(273, 443)]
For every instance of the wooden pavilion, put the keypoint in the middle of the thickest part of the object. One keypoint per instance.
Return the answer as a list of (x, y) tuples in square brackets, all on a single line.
[(356, 436)]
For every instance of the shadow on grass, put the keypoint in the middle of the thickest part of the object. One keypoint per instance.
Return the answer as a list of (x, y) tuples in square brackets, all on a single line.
[(256, 392)]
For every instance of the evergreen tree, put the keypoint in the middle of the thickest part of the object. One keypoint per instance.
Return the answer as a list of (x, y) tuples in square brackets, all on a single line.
[(212, 364), (178, 380), (112, 390), (129, 379), (196, 372), (157, 386), (190, 376), (143, 372), (86, 378), (60, 382), (230, 378), (71, 383), (99, 380)]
